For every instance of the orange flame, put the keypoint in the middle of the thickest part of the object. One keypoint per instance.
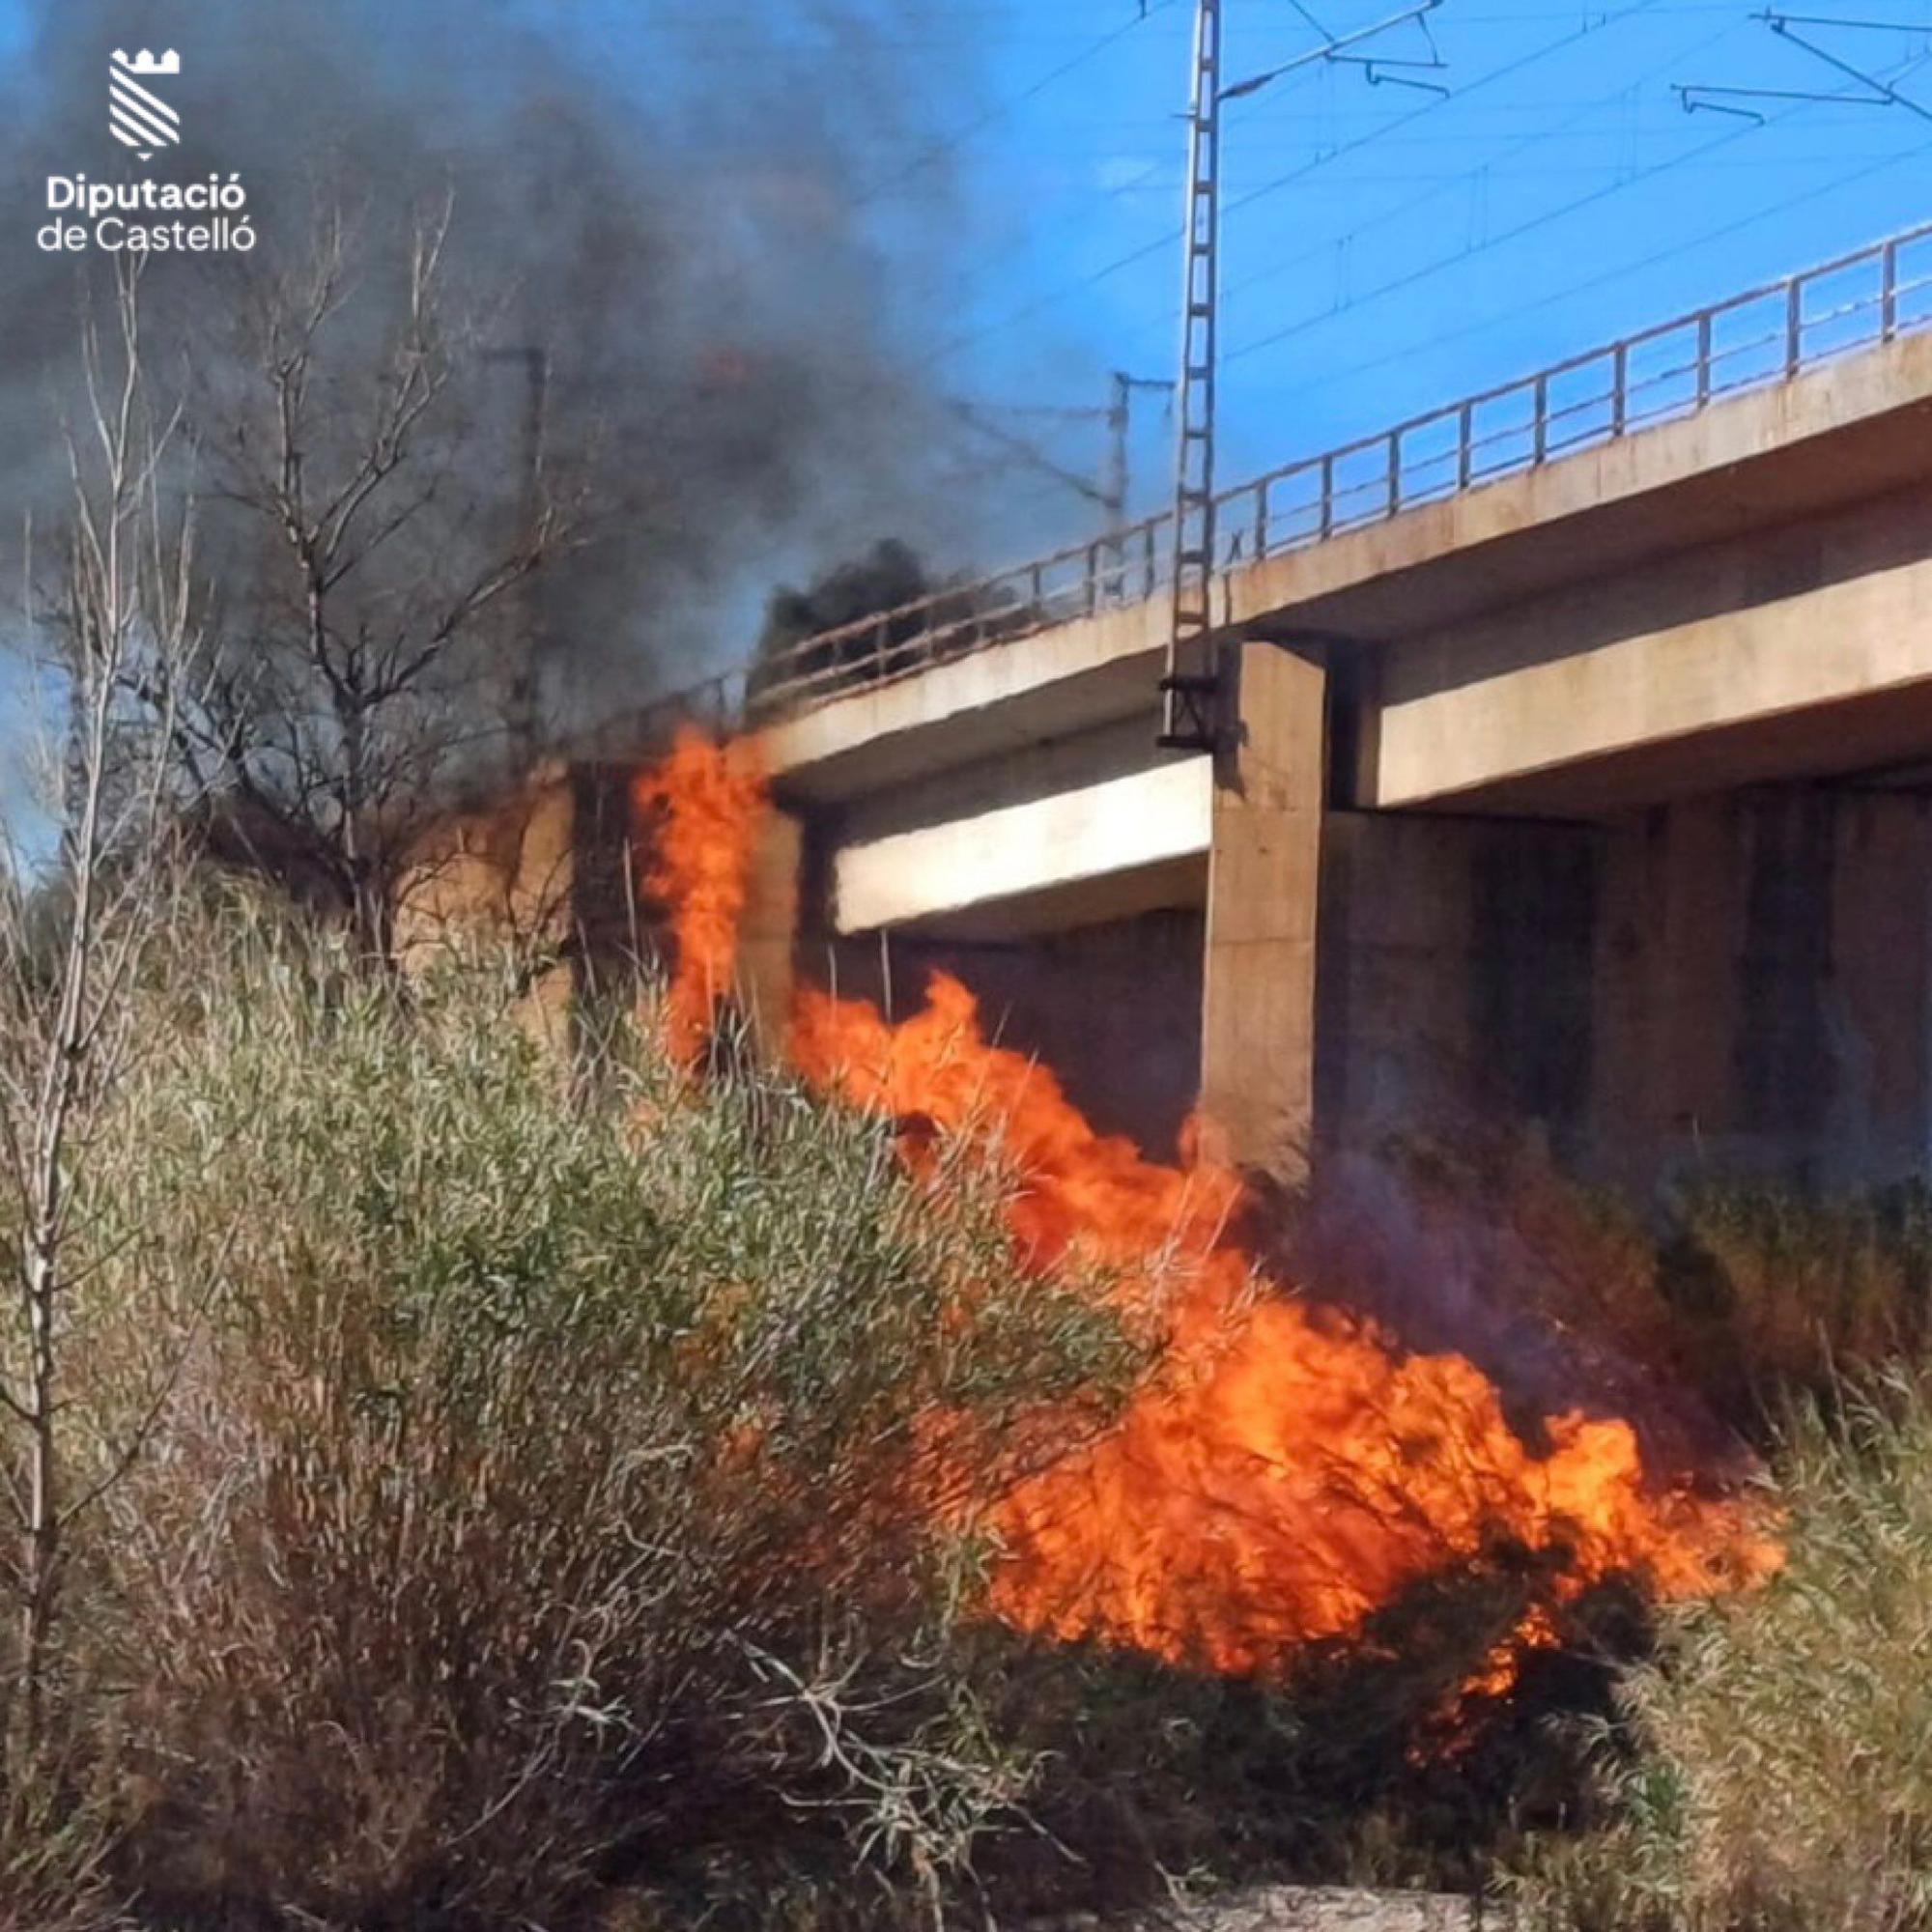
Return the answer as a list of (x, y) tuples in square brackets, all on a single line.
[(698, 814), (1284, 1474)]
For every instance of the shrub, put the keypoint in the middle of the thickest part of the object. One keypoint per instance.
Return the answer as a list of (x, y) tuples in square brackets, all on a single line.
[(1713, 1304), (546, 1476), (1773, 1289), (1776, 1776)]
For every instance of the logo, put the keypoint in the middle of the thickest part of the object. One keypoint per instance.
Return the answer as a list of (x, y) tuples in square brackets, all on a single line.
[(138, 117), (143, 214)]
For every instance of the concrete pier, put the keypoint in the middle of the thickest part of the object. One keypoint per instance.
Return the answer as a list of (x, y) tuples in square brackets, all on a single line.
[(1257, 1023)]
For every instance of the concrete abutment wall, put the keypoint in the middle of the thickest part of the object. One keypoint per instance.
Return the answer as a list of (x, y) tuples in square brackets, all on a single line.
[(1112, 1007), (1741, 982)]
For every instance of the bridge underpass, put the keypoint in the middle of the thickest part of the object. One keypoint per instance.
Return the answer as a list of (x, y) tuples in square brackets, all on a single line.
[(1584, 791)]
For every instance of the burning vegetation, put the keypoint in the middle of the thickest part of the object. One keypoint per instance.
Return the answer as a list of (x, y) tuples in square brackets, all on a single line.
[(1285, 1473), (698, 811), (858, 1497)]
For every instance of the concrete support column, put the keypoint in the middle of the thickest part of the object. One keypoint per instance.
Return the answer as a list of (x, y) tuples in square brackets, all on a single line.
[(1258, 971), (768, 930)]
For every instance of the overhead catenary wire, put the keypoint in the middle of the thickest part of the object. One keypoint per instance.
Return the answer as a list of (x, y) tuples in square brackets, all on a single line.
[(735, 36), (1458, 183), (1530, 225), (949, 144), (1396, 131), (1879, 93), (1630, 179), (1053, 298), (1588, 285), (1593, 25)]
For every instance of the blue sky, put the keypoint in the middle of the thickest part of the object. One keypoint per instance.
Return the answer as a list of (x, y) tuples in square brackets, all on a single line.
[(1384, 250)]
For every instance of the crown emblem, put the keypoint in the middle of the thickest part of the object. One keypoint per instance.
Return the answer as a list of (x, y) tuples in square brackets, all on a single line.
[(137, 117)]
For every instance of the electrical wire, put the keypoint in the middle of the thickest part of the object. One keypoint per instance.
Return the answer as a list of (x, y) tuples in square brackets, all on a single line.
[(1526, 227), (1623, 271), (1486, 171), (998, 112), (1065, 291)]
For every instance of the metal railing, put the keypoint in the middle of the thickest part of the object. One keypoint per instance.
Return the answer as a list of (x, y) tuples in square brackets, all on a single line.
[(1764, 337)]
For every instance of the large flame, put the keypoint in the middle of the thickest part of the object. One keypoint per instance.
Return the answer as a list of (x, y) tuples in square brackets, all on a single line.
[(1284, 1475), (698, 814), (1285, 1472)]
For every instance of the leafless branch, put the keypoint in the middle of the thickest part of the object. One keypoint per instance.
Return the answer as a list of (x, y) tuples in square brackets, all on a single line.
[(376, 641), (125, 612)]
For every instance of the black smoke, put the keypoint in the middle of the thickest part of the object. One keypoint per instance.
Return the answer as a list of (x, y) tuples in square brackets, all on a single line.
[(713, 222)]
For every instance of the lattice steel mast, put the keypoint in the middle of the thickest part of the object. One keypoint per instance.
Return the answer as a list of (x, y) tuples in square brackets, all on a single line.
[(1188, 708)]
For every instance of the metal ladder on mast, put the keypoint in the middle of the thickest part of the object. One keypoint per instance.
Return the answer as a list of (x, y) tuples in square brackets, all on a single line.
[(1190, 689)]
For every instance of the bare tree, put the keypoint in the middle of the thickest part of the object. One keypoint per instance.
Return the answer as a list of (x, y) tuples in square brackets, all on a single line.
[(377, 517), (124, 614)]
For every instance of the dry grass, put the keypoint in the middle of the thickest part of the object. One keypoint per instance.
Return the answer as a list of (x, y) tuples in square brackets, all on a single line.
[(539, 1517), (1698, 1313), (1776, 1771), (537, 1499), (1774, 1290)]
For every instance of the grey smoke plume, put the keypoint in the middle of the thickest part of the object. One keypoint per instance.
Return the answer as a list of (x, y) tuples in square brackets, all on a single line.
[(686, 206)]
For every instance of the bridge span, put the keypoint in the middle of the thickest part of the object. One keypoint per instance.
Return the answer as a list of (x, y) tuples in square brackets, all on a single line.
[(1575, 771)]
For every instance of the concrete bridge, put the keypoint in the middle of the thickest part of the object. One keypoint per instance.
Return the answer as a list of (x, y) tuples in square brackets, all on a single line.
[(1577, 770)]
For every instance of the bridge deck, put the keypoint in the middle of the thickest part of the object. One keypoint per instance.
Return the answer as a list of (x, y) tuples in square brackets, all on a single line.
[(1415, 592), (1763, 337)]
